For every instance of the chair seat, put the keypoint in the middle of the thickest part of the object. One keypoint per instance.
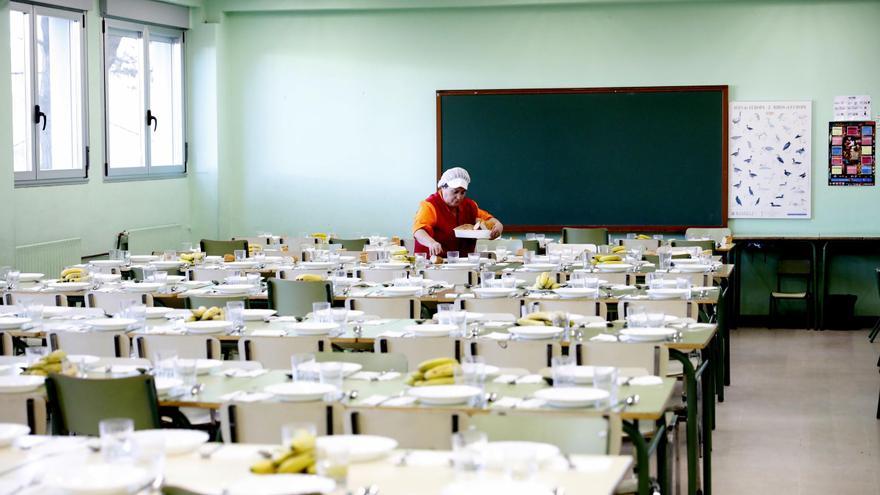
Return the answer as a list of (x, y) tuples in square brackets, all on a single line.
[(788, 295)]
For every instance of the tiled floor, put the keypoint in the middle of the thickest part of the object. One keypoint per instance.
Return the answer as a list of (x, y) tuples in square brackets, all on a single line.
[(799, 417)]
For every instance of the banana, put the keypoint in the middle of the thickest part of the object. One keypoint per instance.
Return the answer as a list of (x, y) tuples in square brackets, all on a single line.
[(525, 322), (608, 257), (442, 371), (69, 271), (643, 237), (424, 366), (56, 357), (414, 377), (210, 313), (302, 443), (296, 463), (312, 469), (446, 380), (309, 277), (618, 249), (198, 312), (265, 466)]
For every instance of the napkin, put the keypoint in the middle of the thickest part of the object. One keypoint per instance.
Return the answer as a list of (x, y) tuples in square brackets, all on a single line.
[(506, 403), (243, 373), (240, 396), (604, 337), (375, 376), (597, 324), (374, 400), (268, 333), (529, 379), (623, 287), (531, 404), (399, 401), (376, 322), (392, 334), (646, 380), (699, 326)]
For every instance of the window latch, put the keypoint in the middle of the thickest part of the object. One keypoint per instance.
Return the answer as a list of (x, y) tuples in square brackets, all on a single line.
[(152, 120), (38, 116)]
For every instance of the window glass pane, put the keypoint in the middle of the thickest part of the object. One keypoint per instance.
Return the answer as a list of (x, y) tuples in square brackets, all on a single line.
[(124, 63), (166, 104), (22, 105), (59, 92)]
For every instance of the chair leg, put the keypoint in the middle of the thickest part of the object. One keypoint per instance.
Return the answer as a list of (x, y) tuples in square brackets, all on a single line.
[(873, 334)]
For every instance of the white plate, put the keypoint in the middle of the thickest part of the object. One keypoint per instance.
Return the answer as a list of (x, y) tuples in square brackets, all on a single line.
[(234, 288), (204, 366), (158, 312), (280, 484), (107, 263), (585, 320), (470, 316), (144, 258), (579, 374), (401, 291), (10, 431), (493, 292), (9, 322), (667, 293), (361, 448), (167, 264), (208, 327), (95, 479), (239, 265), (165, 384), (571, 396), (472, 234), (316, 265), (300, 391), (106, 277), (312, 328), (543, 452), (461, 265), (648, 334), (667, 319), (575, 292), (613, 267), (440, 395), (693, 267), (535, 332), (83, 359), (12, 384), (176, 441), (507, 487), (257, 314), (175, 279), (141, 286), (344, 280), (30, 277), (431, 330), (110, 324), (69, 286), (391, 265), (539, 267), (315, 367)]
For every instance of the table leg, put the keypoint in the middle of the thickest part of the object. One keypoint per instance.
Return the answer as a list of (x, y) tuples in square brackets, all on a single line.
[(708, 384), (643, 454), (663, 478), (690, 377)]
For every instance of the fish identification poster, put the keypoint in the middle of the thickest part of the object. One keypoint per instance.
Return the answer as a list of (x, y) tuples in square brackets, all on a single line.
[(770, 159)]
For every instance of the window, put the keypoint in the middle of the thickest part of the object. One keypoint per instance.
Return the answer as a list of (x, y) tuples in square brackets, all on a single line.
[(143, 88), (48, 96)]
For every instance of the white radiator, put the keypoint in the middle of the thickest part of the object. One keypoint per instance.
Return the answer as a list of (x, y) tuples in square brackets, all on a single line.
[(48, 257), (156, 239)]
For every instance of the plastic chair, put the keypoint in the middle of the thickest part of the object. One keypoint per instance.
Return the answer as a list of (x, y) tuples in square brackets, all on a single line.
[(275, 352), (295, 298), (387, 307), (371, 361), (531, 245), (187, 346), (106, 344), (350, 244), (876, 329), (77, 405), (708, 245), (416, 350), (531, 355), (111, 302), (220, 248), (597, 236), (648, 244), (572, 434), (25, 409), (208, 301), (793, 270), (261, 422), (44, 298), (422, 429), (512, 245), (137, 272)]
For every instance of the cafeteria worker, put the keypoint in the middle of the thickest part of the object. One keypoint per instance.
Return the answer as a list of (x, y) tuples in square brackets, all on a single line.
[(445, 210)]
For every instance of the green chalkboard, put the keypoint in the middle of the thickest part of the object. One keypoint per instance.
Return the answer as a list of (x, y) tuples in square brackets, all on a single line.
[(618, 157)]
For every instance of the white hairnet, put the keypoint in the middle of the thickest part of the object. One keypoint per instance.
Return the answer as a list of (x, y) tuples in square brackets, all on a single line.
[(455, 177)]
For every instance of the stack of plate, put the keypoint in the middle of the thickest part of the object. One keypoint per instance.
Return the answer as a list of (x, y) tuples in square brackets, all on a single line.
[(300, 391), (535, 332), (444, 395), (572, 397), (648, 334)]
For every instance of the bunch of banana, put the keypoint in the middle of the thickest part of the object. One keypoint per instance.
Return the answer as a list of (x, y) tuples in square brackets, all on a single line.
[(299, 457), (618, 249), (204, 314), (541, 318), (309, 277), (643, 237), (192, 257), (437, 371), (545, 282), (320, 235), (609, 259), (404, 258), (254, 248), (73, 275), (52, 363)]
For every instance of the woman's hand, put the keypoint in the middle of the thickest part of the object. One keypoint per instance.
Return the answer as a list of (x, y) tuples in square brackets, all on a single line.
[(434, 248), (497, 229)]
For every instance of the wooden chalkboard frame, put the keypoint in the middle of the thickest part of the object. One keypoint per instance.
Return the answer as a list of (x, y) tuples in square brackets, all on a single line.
[(723, 89)]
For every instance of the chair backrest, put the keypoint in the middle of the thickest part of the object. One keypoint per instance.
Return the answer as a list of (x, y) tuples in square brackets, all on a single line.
[(219, 248), (137, 272), (424, 429), (574, 249), (295, 272), (584, 307), (261, 422), (7, 348), (104, 344), (295, 298), (371, 361), (507, 305), (416, 349), (350, 244), (531, 245), (571, 235), (512, 245), (111, 302), (256, 241), (648, 244), (386, 307), (195, 301), (187, 346), (79, 404), (531, 355), (454, 277), (275, 352), (376, 275), (707, 245), (530, 276), (651, 357), (204, 274), (717, 234), (582, 435), (44, 298), (674, 307), (25, 409)]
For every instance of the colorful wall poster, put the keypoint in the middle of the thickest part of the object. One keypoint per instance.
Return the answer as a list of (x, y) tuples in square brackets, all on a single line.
[(851, 153), (770, 159)]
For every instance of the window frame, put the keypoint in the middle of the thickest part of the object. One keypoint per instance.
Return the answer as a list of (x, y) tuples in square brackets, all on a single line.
[(35, 176), (148, 171)]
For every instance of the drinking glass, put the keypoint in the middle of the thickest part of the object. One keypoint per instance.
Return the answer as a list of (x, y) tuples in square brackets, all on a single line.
[(333, 462), (508, 280), (149, 273), (605, 378), (117, 438), (458, 318), (554, 258), (302, 367), (655, 319), (169, 255), (12, 279), (444, 313), (474, 258), (34, 354), (291, 432), (421, 261), (321, 312), (468, 449), (530, 237), (382, 256), (34, 312), (240, 254), (501, 253), (160, 277), (165, 363), (471, 372), (235, 314), (452, 256), (561, 369), (604, 249), (485, 276), (635, 316), (528, 257), (630, 235), (255, 281), (330, 373), (138, 312), (148, 453), (520, 464), (185, 369), (664, 256), (339, 317), (658, 237), (540, 237)]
